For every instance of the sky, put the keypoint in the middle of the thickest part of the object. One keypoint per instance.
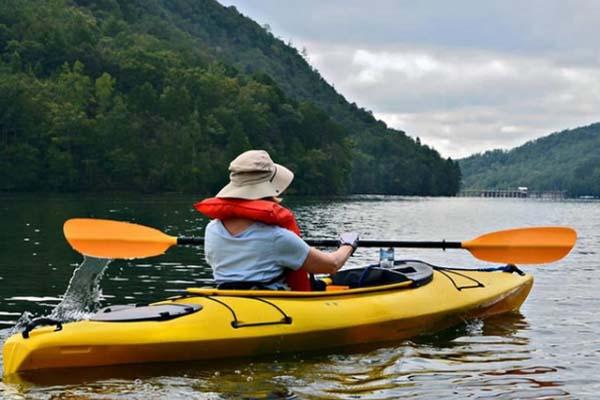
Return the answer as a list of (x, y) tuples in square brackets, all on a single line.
[(465, 76)]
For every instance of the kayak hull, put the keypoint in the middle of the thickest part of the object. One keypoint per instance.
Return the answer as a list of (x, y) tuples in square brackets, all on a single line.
[(250, 323)]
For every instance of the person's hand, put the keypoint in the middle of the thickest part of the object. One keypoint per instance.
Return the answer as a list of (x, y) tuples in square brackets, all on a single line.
[(349, 239)]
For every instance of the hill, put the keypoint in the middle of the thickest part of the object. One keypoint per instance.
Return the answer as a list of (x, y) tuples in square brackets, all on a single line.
[(567, 160), (158, 95)]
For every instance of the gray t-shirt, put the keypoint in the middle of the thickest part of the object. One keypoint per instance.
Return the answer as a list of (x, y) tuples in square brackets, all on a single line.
[(258, 254)]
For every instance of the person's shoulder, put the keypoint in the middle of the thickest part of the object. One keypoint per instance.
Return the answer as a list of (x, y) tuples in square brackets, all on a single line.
[(214, 225), (285, 234), (267, 230), (261, 226), (274, 231)]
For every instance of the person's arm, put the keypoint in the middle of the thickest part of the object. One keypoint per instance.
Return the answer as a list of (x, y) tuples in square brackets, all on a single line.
[(320, 262)]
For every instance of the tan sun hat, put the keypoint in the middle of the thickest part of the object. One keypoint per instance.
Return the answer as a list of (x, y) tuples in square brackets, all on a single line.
[(253, 175)]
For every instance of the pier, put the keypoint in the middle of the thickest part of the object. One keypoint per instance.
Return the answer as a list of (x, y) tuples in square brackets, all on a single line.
[(518, 193)]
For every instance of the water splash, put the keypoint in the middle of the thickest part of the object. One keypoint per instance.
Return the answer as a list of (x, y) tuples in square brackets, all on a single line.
[(83, 294), (23, 320), (81, 299)]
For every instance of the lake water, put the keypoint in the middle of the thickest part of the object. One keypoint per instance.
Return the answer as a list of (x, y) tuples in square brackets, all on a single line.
[(551, 349)]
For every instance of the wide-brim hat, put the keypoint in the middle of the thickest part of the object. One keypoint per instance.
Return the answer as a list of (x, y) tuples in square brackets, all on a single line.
[(253, 175)]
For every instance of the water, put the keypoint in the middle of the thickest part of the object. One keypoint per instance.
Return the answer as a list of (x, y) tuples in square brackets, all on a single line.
[(549, 350)]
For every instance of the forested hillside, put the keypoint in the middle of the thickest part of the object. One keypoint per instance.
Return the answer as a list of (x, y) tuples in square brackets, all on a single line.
[(568, 160), (159, 95)]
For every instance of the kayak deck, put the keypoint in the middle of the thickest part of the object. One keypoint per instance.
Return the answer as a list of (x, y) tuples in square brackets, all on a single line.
[(236, 323)]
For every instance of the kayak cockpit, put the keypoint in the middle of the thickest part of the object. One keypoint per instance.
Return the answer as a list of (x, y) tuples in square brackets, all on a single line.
[(372, 278)]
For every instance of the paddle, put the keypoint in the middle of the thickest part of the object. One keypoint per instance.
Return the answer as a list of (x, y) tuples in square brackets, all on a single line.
[(115, 239)]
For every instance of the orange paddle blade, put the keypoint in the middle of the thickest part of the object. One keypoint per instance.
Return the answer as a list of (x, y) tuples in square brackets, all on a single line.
[(523, 245), (103, 238)]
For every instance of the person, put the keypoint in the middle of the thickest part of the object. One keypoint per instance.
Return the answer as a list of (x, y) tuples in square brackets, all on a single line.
[(252, 241)]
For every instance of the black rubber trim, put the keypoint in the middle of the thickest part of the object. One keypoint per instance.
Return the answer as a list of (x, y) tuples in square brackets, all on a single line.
[(40, 322)]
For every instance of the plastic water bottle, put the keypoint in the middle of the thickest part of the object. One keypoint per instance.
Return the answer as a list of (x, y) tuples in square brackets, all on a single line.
[(386, 257)]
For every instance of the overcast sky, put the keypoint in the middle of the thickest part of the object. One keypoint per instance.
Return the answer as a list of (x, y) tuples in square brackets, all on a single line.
[(463, 75)]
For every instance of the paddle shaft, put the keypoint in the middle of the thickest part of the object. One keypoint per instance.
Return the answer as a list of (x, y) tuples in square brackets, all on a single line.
[(361, 243)]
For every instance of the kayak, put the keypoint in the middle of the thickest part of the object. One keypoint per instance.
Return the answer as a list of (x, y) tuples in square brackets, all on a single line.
[(363, 306)]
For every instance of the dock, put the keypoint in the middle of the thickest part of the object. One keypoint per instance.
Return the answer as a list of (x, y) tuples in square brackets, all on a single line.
[(518, 193)]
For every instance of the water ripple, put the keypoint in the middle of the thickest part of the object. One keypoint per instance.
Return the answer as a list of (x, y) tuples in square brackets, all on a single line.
[(550, 350)]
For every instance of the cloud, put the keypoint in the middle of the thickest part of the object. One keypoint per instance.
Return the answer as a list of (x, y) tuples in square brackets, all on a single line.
[(464, 76), (565, 28), (410, 65), (463, 101)]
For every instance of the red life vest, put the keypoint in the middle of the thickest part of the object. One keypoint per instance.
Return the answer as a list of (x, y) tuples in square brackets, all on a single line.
[(264, 211)]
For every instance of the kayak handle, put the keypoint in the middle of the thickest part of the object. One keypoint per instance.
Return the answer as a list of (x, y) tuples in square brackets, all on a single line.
[(41, 322)]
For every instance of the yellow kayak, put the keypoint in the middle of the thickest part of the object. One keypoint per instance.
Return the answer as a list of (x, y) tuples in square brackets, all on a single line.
[(207, 323)]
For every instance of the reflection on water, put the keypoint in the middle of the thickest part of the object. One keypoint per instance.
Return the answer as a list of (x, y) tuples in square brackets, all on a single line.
[(550, 350), (484, 360)]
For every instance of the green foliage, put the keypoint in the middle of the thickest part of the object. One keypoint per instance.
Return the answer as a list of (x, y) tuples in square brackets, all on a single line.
[(160, 95), (567, 160), (384, 160)]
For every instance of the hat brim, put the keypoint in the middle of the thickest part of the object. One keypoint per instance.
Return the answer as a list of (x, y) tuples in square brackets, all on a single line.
[(272, 188)]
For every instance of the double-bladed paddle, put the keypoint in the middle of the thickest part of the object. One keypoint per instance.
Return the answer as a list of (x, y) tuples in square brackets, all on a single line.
[(123, 240)]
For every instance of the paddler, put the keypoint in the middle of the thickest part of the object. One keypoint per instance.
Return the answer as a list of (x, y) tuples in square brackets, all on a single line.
[(253, 242)]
